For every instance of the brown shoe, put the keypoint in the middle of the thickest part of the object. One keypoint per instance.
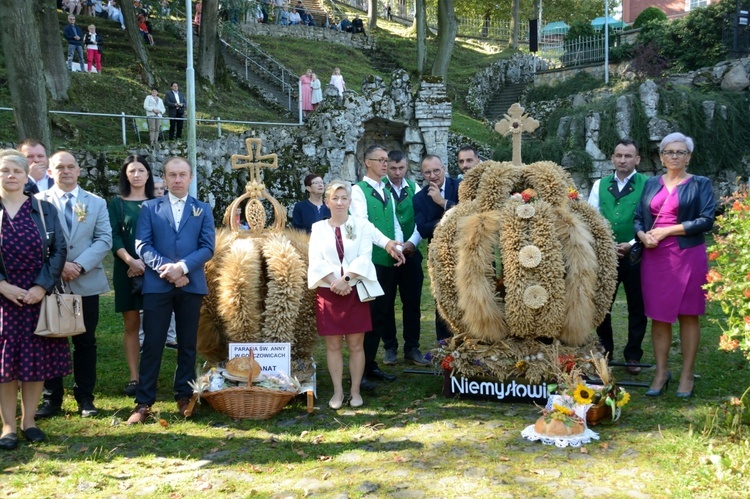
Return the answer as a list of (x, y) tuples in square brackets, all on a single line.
[(140, 414), (185, 406), (633, 369)]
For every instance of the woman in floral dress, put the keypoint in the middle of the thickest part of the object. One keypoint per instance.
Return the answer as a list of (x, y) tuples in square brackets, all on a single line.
[(32, 257)]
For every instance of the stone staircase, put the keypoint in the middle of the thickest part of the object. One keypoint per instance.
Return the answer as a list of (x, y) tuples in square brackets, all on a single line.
[(274, 81), (316, 9), (501, 102)]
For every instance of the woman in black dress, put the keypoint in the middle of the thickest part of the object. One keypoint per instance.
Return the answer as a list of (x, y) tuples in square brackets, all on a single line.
[(32, 258)]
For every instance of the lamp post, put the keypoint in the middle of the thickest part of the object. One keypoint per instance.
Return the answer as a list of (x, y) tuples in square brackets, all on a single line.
[(190, 77), (606, 42)]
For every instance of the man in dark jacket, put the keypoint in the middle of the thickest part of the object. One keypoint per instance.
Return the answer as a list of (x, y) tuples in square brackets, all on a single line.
[(74, 35)]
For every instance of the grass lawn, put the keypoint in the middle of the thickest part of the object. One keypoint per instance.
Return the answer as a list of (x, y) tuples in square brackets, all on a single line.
[(407, 441)]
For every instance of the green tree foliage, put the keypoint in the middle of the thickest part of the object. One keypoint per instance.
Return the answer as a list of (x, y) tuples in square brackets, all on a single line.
[(580, 29), (649, 14), (693, 41)]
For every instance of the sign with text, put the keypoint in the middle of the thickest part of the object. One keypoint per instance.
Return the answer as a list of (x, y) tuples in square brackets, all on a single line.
[(488, 388), (271, 356)]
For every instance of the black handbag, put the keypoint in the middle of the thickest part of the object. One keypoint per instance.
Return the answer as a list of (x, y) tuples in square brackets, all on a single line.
[(636, 253)]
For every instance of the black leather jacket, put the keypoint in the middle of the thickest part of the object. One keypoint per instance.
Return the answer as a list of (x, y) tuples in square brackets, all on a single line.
[(55, 249), (696, 211)]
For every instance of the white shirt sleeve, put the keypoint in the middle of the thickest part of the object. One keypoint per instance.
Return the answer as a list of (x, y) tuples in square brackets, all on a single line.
[(594, 195), (358, 208)]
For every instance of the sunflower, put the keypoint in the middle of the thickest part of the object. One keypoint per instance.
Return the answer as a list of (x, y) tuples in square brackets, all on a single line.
[(622, 398), (562, 409), (583, 394)]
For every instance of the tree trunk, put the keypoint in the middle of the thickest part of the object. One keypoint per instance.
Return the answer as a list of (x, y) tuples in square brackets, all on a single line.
[(21, 48), (372, 14), (53, 57), (136, 40), (420, 21), (447, 28), (514, 24), (209, 40)]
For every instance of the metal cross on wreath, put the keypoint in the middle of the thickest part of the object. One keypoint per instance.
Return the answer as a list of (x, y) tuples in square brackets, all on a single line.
[(255, 190), (516, 122)]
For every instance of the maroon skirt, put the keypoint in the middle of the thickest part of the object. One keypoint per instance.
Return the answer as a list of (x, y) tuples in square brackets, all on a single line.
[(337, 315)]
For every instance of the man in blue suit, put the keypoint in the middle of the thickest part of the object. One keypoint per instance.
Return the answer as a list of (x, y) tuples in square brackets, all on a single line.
[(430, 204), (175, 238)]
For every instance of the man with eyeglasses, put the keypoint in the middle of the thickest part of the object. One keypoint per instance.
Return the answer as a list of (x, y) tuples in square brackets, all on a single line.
[(616, 197), (430, 204), (371, 200)]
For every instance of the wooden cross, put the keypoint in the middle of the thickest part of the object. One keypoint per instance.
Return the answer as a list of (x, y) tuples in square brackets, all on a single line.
[(254, 160), (516, 122)]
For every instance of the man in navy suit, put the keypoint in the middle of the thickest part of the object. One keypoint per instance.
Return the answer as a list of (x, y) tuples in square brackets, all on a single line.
[(36, 156), (176, 104), (430, 204), (175, 238)]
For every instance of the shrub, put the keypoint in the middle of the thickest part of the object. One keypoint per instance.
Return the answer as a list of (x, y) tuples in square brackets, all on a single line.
[(729, 278), (649, 14), (580, 29)]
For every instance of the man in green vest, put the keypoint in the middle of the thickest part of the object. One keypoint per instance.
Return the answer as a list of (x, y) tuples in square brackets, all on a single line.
[(373, 201), (409, 276), (616, 197)]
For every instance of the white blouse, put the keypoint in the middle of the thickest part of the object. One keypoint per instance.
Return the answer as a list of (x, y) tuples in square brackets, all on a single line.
[(324, 259)]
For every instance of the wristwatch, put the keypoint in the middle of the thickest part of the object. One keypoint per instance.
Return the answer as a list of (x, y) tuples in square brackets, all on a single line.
[(347, 278)]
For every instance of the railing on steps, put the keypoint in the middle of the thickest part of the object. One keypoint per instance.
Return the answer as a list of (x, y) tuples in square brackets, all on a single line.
[(262, 64)]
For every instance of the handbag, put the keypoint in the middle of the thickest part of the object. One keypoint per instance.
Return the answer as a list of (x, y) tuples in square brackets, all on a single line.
[(61, 316), (368, 291), (636, 253)]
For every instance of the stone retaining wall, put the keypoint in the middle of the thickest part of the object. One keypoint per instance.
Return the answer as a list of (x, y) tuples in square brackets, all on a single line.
[(316, 33)]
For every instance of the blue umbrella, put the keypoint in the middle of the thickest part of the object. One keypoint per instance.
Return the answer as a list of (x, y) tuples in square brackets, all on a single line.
[(555, 28), (598, 23)]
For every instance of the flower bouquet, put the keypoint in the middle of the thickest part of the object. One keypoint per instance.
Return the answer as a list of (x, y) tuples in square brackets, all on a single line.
[(607, 399)]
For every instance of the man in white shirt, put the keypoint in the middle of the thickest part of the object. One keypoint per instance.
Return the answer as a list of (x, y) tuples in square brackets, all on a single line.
[(84, 219), (409, 276), (616, 197), (36, 156), (372, 201)]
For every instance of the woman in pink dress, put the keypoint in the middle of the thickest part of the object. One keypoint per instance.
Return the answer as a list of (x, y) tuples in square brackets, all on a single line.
[(340, 254), (675, 212), (306, 92)]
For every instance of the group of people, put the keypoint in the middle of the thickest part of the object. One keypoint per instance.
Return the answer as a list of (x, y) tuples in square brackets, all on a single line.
[(53, 233), (92, 41), (311, 93), (174, 104), (367, 235), (668, 215)]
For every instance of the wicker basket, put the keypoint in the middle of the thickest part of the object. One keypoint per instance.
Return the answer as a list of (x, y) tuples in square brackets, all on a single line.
[(248, 402), (598, 414)]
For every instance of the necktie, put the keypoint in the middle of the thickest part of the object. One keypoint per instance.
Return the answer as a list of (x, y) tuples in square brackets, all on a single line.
[(69, 211), (339, 246)]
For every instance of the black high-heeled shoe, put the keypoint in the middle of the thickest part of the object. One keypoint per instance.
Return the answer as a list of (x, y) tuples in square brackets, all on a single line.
[(652, 392), (686, 395)]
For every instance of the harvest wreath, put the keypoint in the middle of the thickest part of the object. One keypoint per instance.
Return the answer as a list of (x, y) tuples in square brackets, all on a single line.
[(520, 269)]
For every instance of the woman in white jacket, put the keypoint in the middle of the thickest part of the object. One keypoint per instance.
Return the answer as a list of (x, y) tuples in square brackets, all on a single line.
[(340, 254), (155, 109)]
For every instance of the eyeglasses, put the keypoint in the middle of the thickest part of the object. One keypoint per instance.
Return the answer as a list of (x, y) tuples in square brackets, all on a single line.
[(675, 154), (317, 183), (382, 161), (432, 173)]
